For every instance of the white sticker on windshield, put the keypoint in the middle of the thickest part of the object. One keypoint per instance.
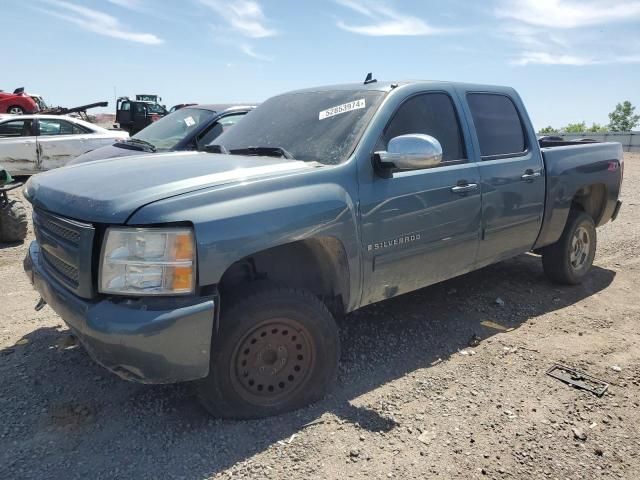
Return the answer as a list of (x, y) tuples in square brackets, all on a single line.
[(344, 108), (189, 121)]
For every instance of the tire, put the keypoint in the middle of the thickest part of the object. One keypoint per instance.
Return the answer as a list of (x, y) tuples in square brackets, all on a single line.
[(276, 350), (13, 222), (16, 110), (569, 260)]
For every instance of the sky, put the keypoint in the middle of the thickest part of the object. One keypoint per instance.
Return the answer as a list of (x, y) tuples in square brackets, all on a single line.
[(570, 60)]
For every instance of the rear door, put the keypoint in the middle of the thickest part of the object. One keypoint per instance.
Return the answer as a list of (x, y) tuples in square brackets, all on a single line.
[(512, 175), (422, 226), (18, 147), (60, 141)]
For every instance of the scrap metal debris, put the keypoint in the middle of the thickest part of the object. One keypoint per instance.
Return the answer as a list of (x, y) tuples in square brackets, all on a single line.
[(578, 379)]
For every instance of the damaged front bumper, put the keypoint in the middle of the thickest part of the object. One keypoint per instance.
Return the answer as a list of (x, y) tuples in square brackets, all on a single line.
[(150, 340)]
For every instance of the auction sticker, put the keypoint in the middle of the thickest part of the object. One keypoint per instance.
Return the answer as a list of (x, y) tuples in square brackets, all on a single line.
[(344, 108), (189, 121)]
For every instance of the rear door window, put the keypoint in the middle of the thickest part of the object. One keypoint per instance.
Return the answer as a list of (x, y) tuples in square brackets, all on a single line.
[(498, 125), (49, 127)]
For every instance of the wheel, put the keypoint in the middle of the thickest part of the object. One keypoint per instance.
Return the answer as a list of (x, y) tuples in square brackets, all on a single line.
[(277, 349), (13, 222), (16, 110), (569, 260)]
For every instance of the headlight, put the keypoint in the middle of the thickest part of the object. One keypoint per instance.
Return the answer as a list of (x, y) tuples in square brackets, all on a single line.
[(148, 261)]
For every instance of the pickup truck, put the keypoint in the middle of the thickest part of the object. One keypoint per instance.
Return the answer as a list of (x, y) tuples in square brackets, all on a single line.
[(228, 267)]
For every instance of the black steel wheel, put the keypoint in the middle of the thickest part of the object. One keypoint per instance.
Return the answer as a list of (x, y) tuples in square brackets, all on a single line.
[(272, 361), (276, 350)]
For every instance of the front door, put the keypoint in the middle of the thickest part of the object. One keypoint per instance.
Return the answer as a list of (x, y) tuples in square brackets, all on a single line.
[(18, 147), (140, 117), (513, 182), (420, 227)]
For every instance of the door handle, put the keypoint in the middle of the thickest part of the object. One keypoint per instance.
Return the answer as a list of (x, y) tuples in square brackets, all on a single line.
[(530, 175), (465, 188)]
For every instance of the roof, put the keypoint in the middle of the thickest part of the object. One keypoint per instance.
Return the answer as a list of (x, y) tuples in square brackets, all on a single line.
[(385, 86), (221, 107)]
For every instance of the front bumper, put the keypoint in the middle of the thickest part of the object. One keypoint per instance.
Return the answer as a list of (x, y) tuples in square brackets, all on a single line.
[(151, 340)]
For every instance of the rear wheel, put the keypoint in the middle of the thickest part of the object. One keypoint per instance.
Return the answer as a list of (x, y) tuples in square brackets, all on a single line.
[(276, 350), (569, 260), (16, 110), (13, 221)]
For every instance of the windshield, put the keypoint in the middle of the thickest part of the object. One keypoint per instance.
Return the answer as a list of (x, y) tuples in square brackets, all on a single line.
[(156, 108), (166, 133), (40, 102), (319, 126)]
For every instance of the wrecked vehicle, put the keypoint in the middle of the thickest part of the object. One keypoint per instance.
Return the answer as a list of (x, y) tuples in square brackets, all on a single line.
[(34, 143), (134, 115), (228, 267), (190, 128), (13, 214), (17, 103)]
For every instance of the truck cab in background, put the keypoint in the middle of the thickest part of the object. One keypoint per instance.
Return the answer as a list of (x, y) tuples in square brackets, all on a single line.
[(134, 115)]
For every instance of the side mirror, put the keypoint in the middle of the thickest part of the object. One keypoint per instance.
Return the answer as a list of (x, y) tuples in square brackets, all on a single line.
[(410, 152)]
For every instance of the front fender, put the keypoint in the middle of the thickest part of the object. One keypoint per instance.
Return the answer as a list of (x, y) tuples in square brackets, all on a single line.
[(237, 221)]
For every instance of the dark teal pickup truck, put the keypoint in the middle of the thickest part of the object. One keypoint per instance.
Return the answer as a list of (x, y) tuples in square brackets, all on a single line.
[(227, 267)]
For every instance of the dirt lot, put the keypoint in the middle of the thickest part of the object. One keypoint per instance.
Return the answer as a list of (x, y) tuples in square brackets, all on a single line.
[(445, 382)]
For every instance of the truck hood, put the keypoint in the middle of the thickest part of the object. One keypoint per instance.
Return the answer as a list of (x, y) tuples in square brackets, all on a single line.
[(109, 191)]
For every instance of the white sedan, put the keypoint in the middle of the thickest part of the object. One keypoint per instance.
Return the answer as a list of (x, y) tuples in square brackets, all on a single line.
[(33, 143)]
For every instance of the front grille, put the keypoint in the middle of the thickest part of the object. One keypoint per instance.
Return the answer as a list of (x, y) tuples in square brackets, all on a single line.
[(59, 230), (69, 272), (66, 247)]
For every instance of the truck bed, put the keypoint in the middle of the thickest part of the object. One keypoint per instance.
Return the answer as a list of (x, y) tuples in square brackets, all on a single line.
[(569, 168)]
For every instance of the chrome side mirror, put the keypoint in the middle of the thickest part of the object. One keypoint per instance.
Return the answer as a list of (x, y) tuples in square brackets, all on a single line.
[(410, 152)]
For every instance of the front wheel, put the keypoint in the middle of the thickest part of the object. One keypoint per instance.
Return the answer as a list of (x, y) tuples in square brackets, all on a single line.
[(276, 350), (569, 260)]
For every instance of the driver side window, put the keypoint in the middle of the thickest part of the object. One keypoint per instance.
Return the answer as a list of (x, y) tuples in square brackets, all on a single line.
[(431, 114)]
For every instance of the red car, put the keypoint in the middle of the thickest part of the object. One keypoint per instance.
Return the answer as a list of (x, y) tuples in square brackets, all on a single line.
[(17, 102)]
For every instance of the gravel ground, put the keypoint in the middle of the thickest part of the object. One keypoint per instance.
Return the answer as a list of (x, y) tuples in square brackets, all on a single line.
[(445, 382)]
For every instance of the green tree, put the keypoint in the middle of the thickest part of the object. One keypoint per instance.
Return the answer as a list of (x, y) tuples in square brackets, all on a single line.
[(549, 130), (622, 119), (575, 128), (596, 128)]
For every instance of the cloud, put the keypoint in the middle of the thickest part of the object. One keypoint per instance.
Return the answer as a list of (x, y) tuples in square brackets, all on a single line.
[(130, 4), (244, 16), (561, 32), (97, 22), (248, 50), (385, 21), (569, 13), (544, 58)]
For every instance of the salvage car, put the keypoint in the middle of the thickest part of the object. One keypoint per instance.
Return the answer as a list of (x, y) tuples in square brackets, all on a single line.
[(190, 128), (17, 103), (229, 267), (34, 143)]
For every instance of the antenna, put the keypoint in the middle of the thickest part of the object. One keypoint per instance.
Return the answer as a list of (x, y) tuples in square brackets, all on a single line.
[(369, 79)]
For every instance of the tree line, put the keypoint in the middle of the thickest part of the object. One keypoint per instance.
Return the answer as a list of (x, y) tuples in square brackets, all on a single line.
[(622, 119)]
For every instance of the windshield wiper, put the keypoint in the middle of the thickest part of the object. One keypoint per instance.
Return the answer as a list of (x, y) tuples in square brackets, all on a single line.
[(144, 143), (266, 151)]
